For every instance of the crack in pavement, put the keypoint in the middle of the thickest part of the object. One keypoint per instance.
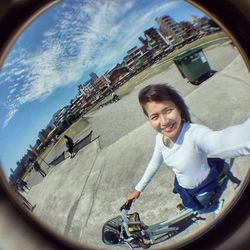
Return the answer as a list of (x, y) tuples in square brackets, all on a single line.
[(74, 207)]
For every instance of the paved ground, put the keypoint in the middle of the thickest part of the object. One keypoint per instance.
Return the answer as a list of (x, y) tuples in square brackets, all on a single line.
[(80, 194)]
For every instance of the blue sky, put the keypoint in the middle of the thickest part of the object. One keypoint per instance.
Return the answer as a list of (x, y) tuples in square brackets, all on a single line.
[(58, 51)]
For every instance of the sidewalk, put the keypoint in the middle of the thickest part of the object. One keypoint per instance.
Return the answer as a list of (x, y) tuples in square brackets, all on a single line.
[(80, 194)]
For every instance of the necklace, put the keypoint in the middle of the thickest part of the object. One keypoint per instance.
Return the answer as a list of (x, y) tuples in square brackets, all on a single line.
[(166, 141)]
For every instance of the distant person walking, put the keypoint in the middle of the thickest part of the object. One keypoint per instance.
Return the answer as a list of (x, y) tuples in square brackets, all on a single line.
[(70, 145), (114, 97), (38, 168)]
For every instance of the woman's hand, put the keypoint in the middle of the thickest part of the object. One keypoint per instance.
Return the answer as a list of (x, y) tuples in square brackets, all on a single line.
[(133, 195)]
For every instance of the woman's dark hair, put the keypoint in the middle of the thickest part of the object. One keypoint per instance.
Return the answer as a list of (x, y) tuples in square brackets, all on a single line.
[(163, 92)]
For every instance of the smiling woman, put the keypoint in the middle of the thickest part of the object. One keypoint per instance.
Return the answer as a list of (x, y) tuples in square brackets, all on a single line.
[(188, 147), (60, 61)]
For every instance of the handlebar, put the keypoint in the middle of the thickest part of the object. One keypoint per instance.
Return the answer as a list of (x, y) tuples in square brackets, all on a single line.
[(130, 237), (126, 205), (124, 219)]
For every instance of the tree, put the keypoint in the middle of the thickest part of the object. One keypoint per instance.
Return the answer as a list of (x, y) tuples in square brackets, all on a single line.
[(38, 142)]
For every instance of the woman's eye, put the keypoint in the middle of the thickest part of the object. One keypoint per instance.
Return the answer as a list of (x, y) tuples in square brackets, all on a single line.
[(154, 118), (168, 111)]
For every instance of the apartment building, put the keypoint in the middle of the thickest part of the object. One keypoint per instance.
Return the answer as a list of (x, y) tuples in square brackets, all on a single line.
[(170, 29)]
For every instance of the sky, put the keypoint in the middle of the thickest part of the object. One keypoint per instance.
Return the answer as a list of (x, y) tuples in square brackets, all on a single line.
[(58, 51)]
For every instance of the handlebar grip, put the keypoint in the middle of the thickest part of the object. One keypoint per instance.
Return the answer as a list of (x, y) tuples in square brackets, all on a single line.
[(126, 205)]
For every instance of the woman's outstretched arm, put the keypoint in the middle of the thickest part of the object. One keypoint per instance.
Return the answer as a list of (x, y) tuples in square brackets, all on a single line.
[(233, 141)]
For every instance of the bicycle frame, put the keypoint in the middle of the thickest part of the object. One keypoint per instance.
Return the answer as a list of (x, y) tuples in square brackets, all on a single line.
[(150, 233), (165, 226)]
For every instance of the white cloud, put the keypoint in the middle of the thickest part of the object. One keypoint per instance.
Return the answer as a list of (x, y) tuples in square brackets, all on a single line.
[(9, 116), (86, 35), (12, 90)]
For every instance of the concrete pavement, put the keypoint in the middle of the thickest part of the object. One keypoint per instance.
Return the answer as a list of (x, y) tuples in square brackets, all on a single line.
[(80, 194)]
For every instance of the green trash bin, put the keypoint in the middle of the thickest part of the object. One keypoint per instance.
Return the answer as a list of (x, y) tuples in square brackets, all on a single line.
[(193, 65)]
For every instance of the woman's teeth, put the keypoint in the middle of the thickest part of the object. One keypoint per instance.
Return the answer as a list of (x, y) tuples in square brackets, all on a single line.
[(171, 126), (168, 127)]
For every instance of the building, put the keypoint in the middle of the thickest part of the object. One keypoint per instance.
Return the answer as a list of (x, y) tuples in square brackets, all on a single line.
[(138, 58), (156, 41), (117, 73), (157, 45), (202, 25), (101, 84), (143, 41), (190, 31), (171, 30), (86, 88), (93, 76), (59, 117), (133, 58)]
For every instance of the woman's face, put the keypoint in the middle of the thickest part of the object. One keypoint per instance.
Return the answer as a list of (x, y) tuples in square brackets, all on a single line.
[(164, 117)]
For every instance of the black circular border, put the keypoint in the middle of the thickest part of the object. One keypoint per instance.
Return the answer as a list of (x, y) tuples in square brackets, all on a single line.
[(231, 230)]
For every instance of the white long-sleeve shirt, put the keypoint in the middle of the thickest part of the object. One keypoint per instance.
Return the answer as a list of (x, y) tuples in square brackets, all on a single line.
[(188, 156)]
